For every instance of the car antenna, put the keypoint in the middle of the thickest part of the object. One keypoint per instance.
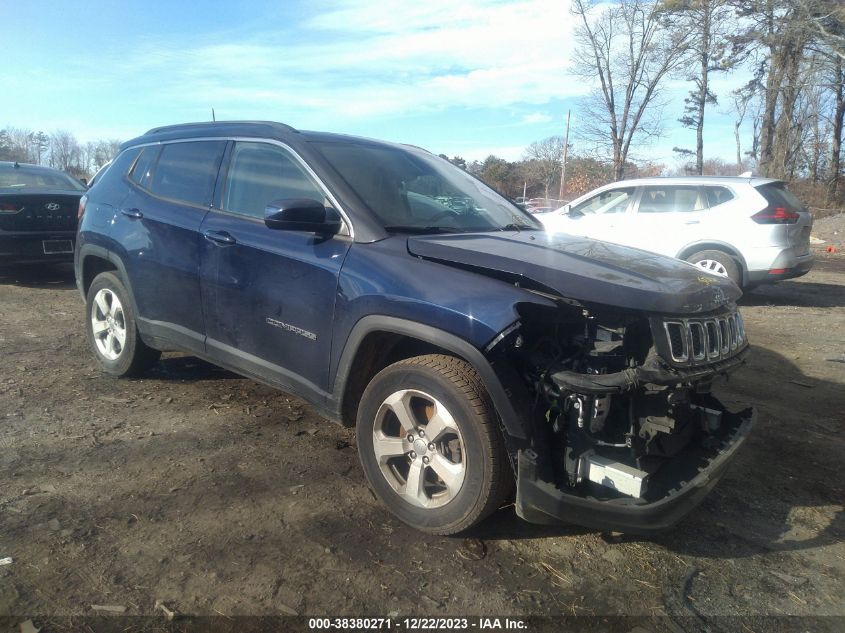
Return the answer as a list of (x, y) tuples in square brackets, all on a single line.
[(16, 165), (213, 116)]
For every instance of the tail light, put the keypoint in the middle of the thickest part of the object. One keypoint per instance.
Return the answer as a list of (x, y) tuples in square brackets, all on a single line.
[(9, 208), (82, 202), (775, 215)]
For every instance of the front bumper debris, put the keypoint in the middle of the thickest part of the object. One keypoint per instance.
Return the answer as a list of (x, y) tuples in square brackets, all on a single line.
[(539, 501)]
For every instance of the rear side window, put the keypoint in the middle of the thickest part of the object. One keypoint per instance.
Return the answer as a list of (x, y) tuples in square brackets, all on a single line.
[(142, 170), (777, 195), (717, 195), (672, 200), (187, 171), (260, 173)]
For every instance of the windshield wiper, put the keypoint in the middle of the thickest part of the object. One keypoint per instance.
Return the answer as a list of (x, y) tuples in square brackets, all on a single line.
[(513, 226), (423, 229)]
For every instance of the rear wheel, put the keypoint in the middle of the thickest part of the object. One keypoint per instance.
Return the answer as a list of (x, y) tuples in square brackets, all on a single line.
[(718, 263), (430, 445), (112, 330)]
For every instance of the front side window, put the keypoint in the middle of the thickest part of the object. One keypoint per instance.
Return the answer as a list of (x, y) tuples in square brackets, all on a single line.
[(677, 199), (260, 173), (611, 201), (187, 171)]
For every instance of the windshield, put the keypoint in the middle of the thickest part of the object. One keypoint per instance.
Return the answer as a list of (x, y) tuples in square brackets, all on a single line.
[(412, 191), (23, 178)]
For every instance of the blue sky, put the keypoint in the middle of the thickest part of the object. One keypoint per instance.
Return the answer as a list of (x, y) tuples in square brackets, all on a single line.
[(465, 78)]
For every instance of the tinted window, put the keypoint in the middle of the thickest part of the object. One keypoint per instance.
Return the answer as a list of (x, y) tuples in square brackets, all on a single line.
[(718, 195), (671, 199), (261, 173), (187, 171), (143, 167), (23, 177), (777, 195), (611, 201)]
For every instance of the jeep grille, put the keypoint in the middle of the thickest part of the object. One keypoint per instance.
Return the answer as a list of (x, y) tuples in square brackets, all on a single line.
[(704, 340)]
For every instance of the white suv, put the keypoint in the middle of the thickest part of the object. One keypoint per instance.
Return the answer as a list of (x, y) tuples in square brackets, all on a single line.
[(753, 230)]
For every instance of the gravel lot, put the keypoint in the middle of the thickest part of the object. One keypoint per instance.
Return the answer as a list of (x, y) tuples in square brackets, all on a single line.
[(220, 496), (831, 230)]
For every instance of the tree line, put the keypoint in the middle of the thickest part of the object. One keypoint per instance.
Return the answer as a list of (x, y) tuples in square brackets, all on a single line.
[(794, 50), (629, 51), (59, 149)]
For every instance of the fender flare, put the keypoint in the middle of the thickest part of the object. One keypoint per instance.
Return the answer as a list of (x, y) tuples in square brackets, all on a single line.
[(100, 252), (513, 423)]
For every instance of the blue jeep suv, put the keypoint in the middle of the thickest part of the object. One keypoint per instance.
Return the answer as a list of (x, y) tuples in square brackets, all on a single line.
[(477, 356)]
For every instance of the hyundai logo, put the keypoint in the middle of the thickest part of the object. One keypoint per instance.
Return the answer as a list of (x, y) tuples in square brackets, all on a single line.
[(52, 206)]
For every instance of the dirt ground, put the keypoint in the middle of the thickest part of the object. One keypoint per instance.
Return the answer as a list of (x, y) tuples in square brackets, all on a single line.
[(220, 496)]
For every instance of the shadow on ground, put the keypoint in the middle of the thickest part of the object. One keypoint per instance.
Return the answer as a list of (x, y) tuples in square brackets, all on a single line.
[(56, 276)]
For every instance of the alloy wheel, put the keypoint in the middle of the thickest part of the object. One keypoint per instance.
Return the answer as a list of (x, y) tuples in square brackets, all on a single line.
[(419, 448), (108, 324), (713, 266)]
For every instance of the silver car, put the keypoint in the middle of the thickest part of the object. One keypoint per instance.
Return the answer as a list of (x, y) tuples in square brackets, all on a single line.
[(753, 230)]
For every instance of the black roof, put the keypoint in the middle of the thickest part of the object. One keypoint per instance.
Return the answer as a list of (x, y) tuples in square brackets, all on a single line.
[(257, 129)]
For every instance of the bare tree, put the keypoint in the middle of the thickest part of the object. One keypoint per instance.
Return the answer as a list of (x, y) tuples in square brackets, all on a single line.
[(19, 144), (741, 100), (836, 136), (627, 48), (543, 161), (710, 22), (65, 152), (826, 18)]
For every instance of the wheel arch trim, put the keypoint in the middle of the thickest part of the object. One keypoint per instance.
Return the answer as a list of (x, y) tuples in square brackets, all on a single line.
[(87, 251), (716, 245), (370, 324)]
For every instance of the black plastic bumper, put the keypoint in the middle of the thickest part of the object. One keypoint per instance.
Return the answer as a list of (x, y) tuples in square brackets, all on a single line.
[(541, 502), (26, 247)]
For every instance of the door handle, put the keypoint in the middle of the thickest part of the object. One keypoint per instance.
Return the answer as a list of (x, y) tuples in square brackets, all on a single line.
[(219, 237), (135, 214), (693, 222)]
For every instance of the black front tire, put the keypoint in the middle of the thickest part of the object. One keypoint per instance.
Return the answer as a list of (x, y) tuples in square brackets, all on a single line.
[(452, 382), (134, 357)]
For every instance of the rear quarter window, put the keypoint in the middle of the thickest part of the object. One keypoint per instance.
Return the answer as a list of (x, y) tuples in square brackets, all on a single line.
[(777, 195), (142, 169), (186, 171)]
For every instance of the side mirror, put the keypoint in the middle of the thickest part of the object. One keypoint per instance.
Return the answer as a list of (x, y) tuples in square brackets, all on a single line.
[(301, 214)]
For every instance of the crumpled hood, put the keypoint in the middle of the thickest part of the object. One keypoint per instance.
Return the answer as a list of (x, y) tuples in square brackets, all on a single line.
[(586, 270)]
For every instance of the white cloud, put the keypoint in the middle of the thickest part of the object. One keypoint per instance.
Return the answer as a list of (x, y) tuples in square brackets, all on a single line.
[(363, 59), (537, 117)]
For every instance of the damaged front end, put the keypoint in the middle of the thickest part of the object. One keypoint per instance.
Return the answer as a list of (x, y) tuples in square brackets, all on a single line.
[(625, 432)]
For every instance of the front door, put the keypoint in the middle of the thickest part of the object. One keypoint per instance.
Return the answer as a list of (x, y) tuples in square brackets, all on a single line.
[(268, 295)]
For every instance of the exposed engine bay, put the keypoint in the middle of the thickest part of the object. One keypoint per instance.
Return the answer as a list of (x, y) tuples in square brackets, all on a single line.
[(622, 402)]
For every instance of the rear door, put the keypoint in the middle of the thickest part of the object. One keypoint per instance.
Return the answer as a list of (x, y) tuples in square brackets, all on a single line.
[(157, 227), (268, 294), (668, 217)]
